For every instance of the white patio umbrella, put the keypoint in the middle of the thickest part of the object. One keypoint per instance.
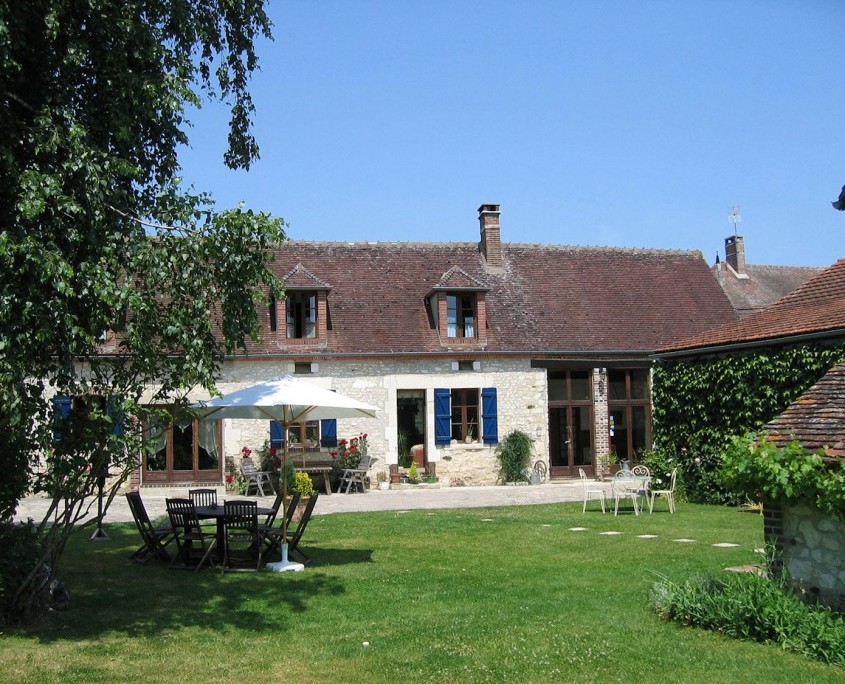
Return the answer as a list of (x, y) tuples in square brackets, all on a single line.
[(287, 400)]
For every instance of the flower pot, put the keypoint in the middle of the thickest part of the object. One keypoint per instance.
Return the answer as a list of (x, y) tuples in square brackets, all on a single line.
[(384, 486)]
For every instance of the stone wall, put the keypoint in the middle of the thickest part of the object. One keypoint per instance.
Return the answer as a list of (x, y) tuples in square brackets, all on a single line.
[(521, 394), (811, 545)]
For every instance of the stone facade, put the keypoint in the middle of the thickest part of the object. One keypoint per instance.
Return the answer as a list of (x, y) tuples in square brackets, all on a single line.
[(811, 545), (521, 392)]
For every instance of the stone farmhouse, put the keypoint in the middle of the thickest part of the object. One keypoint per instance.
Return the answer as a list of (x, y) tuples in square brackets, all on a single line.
[(458, 344)]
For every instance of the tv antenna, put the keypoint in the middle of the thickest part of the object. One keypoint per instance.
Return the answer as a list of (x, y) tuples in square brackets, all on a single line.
[(734, 216)]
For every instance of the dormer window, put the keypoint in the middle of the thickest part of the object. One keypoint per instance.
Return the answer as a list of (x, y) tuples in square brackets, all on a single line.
[(306, 316), (461, 315), (459, 310), (301, 312)]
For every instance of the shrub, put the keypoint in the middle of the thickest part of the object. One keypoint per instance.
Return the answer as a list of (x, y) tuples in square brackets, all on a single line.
[(748, 606), (660, 463), (302, 483), (761, 471), (21, 550), (514, 453)]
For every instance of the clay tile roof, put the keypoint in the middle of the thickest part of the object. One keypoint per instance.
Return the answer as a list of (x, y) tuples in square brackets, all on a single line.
[(817, 419), (544, 299), (762, 285), (457, 278), (300, 277), (815, 308)]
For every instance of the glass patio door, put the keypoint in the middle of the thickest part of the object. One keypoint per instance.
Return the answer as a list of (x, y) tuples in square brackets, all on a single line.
[(187, 451), (570, 423)]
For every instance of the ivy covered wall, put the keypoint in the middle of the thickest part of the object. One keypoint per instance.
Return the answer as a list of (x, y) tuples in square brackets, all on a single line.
[(699, 404)]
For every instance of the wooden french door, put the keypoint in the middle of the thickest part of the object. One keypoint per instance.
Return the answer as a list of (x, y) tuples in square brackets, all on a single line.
[(186, 451), (570, 423)]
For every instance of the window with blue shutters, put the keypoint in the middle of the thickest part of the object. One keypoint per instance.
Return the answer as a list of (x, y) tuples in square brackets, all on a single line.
[(305, 433), (458, 416)]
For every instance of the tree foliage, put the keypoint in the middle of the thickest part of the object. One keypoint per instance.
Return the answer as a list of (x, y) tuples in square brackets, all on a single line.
[(700, 404), (115, 280)]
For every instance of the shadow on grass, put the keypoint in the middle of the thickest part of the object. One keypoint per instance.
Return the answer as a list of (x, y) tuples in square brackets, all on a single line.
[(111, 593)]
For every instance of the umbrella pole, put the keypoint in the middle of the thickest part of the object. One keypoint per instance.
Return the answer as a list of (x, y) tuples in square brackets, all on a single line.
[(285, 565)]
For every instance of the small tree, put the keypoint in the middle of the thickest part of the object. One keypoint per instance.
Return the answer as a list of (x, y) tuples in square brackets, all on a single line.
[(514, 454), (120, 287)]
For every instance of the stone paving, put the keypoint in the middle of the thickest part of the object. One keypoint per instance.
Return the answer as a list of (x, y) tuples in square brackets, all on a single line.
[(373, 500)]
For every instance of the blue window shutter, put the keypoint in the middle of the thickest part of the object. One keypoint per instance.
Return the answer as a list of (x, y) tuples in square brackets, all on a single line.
[(328, 432), (277, 435), (61, 407), (117, 428), (489, 418), (442, 416)]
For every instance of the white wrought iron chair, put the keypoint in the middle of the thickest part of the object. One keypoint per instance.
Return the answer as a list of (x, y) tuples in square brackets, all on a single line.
[(668, 493), (623, 485), (590, 492)]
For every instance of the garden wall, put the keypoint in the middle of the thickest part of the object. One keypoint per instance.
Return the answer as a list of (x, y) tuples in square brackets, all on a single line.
[(811, 545)]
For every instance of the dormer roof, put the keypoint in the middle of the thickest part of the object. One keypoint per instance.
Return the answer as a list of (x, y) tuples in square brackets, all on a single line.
[(457, 279), (300, 278)]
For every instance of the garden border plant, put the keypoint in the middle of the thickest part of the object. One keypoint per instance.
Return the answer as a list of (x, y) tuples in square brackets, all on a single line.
[(757, 607)]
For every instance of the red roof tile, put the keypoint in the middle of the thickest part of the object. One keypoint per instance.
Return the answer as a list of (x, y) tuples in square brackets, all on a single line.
[(817, 419), (544, 299), (817, 307)]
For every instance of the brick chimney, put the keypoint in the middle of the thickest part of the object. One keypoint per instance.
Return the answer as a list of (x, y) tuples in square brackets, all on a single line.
[(735, 253), (491, 239)]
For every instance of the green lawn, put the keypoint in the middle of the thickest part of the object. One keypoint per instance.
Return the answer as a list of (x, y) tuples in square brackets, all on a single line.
[(471, 595)]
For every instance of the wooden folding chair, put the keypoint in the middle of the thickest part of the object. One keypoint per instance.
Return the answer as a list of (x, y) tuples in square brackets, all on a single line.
[(272, 534), (203, 497), (155, 538), (242, 541), (195, 545), (258, 479), (356, 477), (296, 536)]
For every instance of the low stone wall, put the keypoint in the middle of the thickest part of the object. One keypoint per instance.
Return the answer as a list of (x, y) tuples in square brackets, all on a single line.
[(473, 465), (812, 546)]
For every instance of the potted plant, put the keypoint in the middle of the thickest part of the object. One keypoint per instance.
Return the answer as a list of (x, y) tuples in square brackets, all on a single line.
[(413, 474), (383, 484), (301, 483), (470, 436)]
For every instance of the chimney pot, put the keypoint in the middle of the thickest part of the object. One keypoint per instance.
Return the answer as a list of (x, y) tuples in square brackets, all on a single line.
[(491, 239), (735, 253)]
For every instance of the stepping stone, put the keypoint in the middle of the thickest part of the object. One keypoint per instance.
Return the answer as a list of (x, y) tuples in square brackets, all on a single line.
[(684, 541), (545, 525), (646, 536), (756, 569), (487, 520), (609, 534), (725, 545), (577, 529)]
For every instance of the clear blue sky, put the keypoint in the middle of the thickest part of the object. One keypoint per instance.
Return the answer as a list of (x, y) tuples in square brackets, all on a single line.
[(600, 122)]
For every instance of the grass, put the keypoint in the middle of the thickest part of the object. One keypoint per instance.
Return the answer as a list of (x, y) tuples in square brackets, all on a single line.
[(471, 595)]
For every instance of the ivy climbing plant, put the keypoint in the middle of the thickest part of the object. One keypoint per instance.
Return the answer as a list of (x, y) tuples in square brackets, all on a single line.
[(700, 404)]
